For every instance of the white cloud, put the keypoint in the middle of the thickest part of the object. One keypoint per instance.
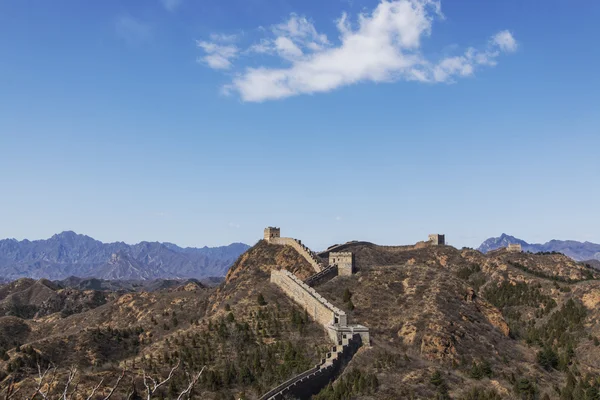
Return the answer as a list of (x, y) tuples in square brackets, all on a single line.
[(505, 41), (299, 29), (171, 5), (132, 30), (287, 48), (220, 37), (218, 56), (291, 39), (382, 46), (264, 47)]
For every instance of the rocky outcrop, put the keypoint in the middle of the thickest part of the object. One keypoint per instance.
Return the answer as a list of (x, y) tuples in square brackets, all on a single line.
[(493, 315)]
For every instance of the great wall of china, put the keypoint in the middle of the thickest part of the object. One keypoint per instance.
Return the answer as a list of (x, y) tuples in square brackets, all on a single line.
[(347, 338)]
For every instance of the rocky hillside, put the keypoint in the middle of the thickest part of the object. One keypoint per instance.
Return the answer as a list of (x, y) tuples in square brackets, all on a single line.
[(69, 254), (579, 251), (449, 323), (248, 336), (445, 323), (27, 299)]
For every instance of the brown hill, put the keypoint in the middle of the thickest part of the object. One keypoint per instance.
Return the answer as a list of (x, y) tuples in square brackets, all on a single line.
[(444, 323), (26, 298), (441, 310)]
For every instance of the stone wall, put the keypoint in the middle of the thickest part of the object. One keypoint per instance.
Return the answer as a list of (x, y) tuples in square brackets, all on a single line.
[(321, 277), (514, 247), (316, 305), (304, 251), (311, 382)]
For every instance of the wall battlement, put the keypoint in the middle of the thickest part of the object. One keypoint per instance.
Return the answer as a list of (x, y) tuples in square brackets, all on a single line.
[(272, 232), (347, 338), (312, 381), (304, 251), (514, 248), (316, 305), (326, 274)]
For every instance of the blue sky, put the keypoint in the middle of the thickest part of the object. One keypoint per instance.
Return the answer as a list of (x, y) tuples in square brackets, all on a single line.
[(202, 122)]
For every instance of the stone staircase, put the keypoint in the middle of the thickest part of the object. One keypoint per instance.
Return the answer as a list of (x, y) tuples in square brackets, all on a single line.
[(348, 338), (310, 382), (323, 276)]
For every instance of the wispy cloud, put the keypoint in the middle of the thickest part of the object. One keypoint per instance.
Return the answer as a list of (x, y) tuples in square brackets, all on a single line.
[(505, 41), (132, 30), (234, 225), (219, 51), (218, 56), (171, 5), (381, 46)]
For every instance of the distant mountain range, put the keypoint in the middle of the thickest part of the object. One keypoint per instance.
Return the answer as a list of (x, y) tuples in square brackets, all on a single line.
[(579, 251), (69, 254)]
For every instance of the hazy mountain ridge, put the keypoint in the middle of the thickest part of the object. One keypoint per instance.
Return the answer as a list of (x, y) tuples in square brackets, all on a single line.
[(70, 254), (445, 323), (579, 251)]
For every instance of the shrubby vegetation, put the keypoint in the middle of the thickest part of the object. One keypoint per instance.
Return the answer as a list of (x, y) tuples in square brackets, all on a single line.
[(478, 393), (588, 273), (473, 275), (508, 294), (347, 299), (481, 370), (235, 352), (349, 385), (558, 337)]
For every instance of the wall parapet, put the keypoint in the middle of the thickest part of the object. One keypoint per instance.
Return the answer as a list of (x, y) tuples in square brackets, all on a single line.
[(311, 382), (304, 251), (326, 273), (316, 305)]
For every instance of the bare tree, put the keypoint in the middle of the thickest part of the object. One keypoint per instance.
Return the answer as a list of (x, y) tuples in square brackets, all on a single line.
[(47, 380), (112, 390), (10, 390), (193, 380), (70, 377), (42, 380), (152, 385)]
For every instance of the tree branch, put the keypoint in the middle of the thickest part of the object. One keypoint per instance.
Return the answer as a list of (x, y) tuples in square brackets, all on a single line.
[(114, 387), (191, 385), (95, 389), (70, 377)]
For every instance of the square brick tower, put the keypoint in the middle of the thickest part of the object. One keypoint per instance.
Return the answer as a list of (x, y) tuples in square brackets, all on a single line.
[(272, 233), (437, 240), (514, 248), (344, 261)]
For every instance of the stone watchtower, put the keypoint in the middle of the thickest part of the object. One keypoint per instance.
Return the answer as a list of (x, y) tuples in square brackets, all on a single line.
[(514, 248), (437, 240), (344, 261), (272, 233)]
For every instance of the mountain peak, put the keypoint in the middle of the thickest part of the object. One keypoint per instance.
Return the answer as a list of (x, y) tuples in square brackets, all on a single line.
[(65, 234), (69, 235), (502, 241), (579, 251), (69, 253)]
